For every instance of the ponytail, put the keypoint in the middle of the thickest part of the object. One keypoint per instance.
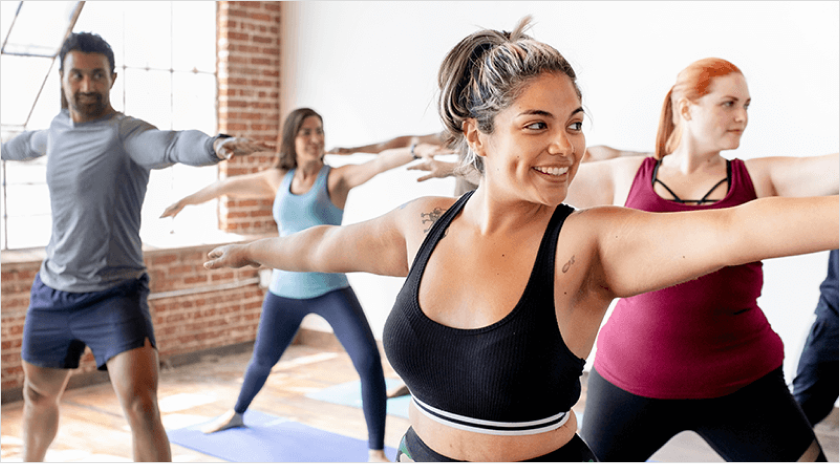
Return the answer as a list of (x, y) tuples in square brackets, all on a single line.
[(666, 131)]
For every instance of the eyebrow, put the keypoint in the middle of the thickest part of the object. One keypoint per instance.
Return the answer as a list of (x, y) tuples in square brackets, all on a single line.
[(735, 98), (547, 114)]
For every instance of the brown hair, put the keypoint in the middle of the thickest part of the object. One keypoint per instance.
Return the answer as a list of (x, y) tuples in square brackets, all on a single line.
[(692, 83), (291, 127), (484, 73)]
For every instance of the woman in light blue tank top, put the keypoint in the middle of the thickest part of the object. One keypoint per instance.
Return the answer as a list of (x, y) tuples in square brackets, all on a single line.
[(309, 193)]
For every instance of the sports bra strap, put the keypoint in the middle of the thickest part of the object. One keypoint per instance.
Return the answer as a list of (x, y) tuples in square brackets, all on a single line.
[(705, 198)]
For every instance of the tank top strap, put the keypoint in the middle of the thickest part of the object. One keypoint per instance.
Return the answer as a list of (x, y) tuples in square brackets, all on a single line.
[(547, 254), (741, 179), (321, 181), (436, 232), (286, 183)]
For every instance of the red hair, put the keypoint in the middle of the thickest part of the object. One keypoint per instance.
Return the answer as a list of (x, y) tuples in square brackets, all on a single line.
[(692, 83)]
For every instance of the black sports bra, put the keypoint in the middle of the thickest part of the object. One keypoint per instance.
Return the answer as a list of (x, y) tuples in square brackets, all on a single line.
[(513, 377)]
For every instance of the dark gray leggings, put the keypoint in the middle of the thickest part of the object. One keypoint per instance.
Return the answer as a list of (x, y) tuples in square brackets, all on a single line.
[(760, 422), (279, 322)]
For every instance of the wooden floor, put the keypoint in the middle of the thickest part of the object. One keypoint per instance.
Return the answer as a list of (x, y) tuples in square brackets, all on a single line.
[(93, 429)]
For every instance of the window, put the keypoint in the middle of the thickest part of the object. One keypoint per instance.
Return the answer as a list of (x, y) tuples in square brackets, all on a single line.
[(165, 55)]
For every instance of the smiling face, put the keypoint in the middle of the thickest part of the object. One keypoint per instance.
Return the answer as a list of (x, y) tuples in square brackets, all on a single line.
[(309, 142), (537, 142), (87, 81), (717, 120)]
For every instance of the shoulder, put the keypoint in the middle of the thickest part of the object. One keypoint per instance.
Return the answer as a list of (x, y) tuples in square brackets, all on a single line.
[(427, 205), (129, 125), (629, 164)]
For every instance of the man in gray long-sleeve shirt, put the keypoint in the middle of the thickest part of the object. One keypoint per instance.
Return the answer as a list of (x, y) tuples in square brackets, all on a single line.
[(91, 289)]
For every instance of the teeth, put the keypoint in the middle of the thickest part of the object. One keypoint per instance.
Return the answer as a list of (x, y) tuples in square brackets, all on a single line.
[(553, 171)]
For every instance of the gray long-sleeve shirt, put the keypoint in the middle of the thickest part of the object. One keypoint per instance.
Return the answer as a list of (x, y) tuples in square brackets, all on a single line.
[(97, 174)]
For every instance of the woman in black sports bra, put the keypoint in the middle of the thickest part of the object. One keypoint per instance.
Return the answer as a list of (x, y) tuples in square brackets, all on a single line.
[(509, 269)]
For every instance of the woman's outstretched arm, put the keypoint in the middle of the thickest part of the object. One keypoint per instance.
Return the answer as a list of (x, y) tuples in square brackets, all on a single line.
[(383, 245), (353, 175), (263, 184), (639, 252), (790, 176)]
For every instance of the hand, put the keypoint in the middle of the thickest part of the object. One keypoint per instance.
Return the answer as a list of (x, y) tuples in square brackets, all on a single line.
[(436, 168), (339, 151), (228, 147), (173, 209), (229, 256)]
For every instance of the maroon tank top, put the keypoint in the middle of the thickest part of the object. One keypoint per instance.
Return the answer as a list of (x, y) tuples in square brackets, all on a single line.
[(704, 338)]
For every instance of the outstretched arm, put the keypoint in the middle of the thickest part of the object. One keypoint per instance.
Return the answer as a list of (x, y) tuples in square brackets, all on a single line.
[(791, 176), (396, 142), (25, 146), (377, 246), (263, 184), (153, 148), (353, 175), (639, 252)]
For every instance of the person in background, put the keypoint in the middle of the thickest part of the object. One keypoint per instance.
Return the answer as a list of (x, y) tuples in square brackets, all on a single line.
[(815, 386), (701, 355), (308, 193), (92, 287)]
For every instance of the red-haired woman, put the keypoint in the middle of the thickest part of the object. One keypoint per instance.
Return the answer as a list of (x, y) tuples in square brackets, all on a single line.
[(701, 355)]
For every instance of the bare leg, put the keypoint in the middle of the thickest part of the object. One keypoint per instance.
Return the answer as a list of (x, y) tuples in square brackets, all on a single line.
[(399, 390), (812, 454), (42, 388), (377, 456), (134, 375), (226, 421)]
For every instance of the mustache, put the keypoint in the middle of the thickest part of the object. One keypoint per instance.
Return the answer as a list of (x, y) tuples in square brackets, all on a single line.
[(78, 95)]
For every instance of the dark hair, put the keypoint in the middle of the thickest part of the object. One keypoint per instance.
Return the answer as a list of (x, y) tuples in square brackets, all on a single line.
[(485, 73), (692, 83), (85, 42), (288, 155)]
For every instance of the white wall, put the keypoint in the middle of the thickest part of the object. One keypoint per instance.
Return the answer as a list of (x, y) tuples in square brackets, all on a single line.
[(370, 69)]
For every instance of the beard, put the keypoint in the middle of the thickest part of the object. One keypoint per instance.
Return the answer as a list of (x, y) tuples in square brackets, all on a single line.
[(89, 104)]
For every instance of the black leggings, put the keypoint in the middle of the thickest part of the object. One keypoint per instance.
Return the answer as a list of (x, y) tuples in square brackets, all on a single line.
[(413, 449), (760, 422)]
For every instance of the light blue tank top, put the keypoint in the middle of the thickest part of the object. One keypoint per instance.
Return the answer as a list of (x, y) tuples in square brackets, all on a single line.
[(294, 213)]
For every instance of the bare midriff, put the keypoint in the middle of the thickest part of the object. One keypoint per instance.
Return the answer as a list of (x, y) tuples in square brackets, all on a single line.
[(472, 446)]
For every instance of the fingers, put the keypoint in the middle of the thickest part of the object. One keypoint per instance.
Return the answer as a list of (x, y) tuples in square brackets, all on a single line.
[(425, 178)]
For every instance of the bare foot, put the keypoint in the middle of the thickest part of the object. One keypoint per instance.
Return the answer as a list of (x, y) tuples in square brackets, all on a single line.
[(400, 390), (377, 456), (226, 421)]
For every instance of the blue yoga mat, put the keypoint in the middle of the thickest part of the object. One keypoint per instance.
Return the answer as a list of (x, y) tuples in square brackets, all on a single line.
[(350, 394), (268, 438)]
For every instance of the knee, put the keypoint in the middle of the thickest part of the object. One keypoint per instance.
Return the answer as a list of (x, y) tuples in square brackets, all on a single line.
[(142, 408), (38, 398)]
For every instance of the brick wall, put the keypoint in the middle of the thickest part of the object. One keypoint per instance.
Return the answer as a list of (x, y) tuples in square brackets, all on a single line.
[(222, 308), (248, 65)]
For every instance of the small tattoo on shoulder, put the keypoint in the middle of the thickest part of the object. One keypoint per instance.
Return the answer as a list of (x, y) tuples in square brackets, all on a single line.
[(431, 218), (568, 264)]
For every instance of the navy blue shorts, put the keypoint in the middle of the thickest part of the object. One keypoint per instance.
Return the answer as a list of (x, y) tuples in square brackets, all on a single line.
[(60, 324)]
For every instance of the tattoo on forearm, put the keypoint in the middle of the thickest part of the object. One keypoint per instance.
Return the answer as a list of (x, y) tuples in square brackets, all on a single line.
[(431, 218), (568, 264)]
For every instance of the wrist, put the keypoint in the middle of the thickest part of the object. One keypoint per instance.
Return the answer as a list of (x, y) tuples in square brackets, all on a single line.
[(411, 150), (218, 140)]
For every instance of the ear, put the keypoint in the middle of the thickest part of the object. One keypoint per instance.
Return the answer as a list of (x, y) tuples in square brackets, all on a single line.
[(473, 136), (113, 79), (684, 108)]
